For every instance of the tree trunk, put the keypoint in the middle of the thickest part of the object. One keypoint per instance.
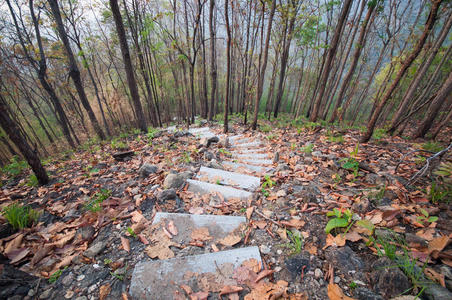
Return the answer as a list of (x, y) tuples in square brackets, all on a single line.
[(330, 56), (141, 122), (74, 72), (228, 65), (213, 68), (12, 130), (358, 47), (406, 64), (445, 121), (444, 92), (261, 75)]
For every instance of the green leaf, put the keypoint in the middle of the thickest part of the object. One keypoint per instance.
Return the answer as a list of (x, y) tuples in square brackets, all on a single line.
[(336, 223), (433, 219), (366, 224), (424, 212)]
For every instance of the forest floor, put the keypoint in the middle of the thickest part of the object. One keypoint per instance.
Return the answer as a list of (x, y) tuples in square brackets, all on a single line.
[(386, 238)]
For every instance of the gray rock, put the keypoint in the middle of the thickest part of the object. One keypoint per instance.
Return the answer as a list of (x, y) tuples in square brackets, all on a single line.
[(318, 273), (361, 206), (214, 165), (437, 292), (298, 263), (224, 141), (95, 249), (147, 169), (317, 153), (46, 294), (345, 260), (174, 181), (68, 279), (282, 167), (387, 279), (361, 293), (416, 240), (375, 179), (85, 233), (165, 195), (208, 155), (276, 158)]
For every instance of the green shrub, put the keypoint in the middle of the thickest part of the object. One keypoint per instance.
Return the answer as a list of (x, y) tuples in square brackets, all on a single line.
[(432, 146), (379, 133), (19, 216), (33, 180), (15, 167), (93, 204)]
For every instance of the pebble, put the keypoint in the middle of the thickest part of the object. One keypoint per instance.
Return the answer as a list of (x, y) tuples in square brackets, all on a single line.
[(45, 294), (279, 251), (337, 279), (92, 288), (31, 292), (278, 269), (81, 298), (118, 226), (264, 249), (96, 266), (318, 273), (69, 294), (80, 277)]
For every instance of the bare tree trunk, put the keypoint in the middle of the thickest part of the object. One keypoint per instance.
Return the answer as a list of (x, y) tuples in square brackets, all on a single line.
[(406, 64), (445, 121), (228, 66), (261, 75), (213, 64), (128, 65), (12, 130)]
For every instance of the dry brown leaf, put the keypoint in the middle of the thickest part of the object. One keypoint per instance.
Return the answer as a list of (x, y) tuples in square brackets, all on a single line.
[(438, 244), (172, 228), (229, 289), (137, 217), (297, 223), (353, 236), (125, 243), (64, 240), (249, 212), (201, 234), (263, 274), (14, 244), (252, 264), (335, 293), (186, 289), (311, 249), (230, 240), (104, 291), (18, 254), (199, 296), (124, 296), (338, 241), (261, 224), (282, 233), (435, 276), (40, 254), (161, 246)]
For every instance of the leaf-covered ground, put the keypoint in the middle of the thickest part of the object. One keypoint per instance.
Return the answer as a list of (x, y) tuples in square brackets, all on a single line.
[(385, 237)]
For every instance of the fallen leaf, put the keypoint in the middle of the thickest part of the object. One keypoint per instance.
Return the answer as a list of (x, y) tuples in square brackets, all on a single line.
[(201, 234), (335, 293), (40, 254), (199, 296), (186, 289), (353, 236), (172, 228), (229, 289), (435, 276), (249, 212), (261, 224), (438, 244), (104, 291), (263, 274), (64, 240), (230, 240), (338, 241), (18, 254), (125, 243), (297, 223)]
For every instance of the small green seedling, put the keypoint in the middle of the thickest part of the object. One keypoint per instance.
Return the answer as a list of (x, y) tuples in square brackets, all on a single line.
[(351, 163), (131, 232), (341, 219), (308, 148), (54, 277), (425, 217), (352, 285), (107, 261), (296, 240), (19, 216)]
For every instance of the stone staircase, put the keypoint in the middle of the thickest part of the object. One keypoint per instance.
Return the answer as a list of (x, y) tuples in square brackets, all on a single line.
[(162, 279)]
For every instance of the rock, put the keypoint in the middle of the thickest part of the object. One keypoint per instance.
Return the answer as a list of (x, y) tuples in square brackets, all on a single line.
[(208, 156), (361, 293), (437, 292), (282, 167), (122, 156), (95, 249), (449, 285), (415, 241), (297, 264), (224, 142), (68, 279), (388, 280), (317, 153), (69, 294), (264, 249), (214, 165), (276, 158), (446, 271), (362, 206), (212, 140), (85, 233), (206, 142), (345, 260), (174, 181), (386, 234), (46, 294), (165, 195), (147, 169), (375, 179), (148, 203), (318, 273)]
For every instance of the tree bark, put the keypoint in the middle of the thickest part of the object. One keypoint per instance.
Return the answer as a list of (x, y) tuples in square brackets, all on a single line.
[(228, 65), (406, 64), (141, 122), (213, 64), (12, 130)]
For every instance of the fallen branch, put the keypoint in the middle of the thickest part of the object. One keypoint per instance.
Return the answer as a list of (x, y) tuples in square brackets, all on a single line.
[(424, 169)]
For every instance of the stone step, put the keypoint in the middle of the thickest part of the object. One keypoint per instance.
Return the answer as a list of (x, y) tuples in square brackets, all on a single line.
[(161, 279), (219, 226), (255, 144), (233, 179), (227, 192), (240, 166), (246, 151), (250, 155), (256, 162), (202, 132)]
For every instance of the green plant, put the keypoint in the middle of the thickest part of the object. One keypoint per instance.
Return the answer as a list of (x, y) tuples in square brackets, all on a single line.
[(432, 146), (441, 188), (296, 241), (308, 148), (425, 217), (117, 144), (151, 132), (351, 163), (32, 180), (353, 285), (186, 157), (93, 204), (131, 232), (336, 139), (341, 219), (271, 136), (218, 182), (136, 131), (266, 128), (224, 151), (107, 261), (268, 182), (19, 216), (54, 277), (337, 178), (15, 167), (379, 133)]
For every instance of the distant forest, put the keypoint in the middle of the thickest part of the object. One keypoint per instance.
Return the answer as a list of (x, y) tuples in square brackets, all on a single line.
[(74, 70)]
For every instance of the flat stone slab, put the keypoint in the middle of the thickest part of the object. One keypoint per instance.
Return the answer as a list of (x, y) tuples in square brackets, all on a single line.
[(219, 226), (227, 192), (250, 155), (246, 151), (239, 166), (161, 279), (237, 180), (257, 162), (254, 144)]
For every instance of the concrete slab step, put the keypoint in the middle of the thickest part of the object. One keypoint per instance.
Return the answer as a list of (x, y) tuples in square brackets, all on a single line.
[(255, 144), (237, 167), (227, 192), (162, 279), (233, 179), (246, 151), (251, 155), (256, 162), (219, 226)]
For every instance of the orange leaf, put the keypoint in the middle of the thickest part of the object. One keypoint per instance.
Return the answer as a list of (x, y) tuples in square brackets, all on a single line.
[(172, 228), (229, 289), (263, 274), (335, 293), (438, 244), (104, 291), (125, 244)]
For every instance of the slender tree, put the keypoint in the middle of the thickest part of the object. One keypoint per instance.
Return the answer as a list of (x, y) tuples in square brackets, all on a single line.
[(141, 122)]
